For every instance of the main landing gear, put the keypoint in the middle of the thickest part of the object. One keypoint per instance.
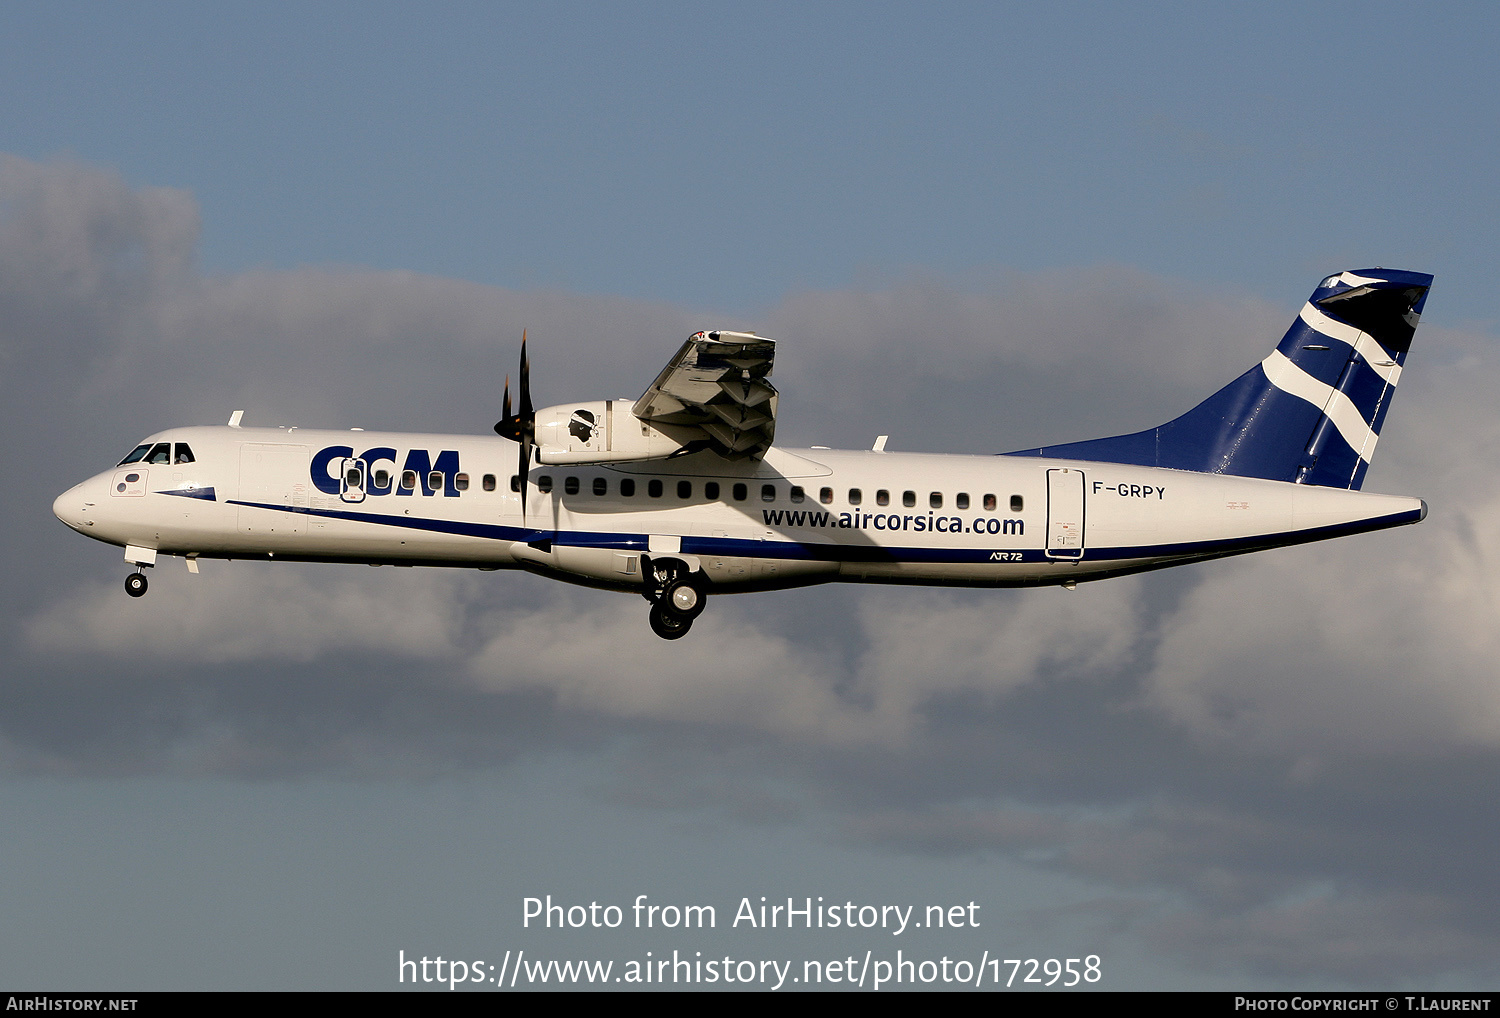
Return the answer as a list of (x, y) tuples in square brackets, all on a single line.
[(135, 584), (676, 600)]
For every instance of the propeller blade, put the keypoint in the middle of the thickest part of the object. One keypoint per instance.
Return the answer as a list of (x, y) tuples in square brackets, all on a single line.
[(526, 409), (523, 468), (525, 426), (509, 425), (520, 427)]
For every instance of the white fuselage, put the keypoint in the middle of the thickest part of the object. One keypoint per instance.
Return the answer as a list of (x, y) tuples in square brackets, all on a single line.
[(795, 517)]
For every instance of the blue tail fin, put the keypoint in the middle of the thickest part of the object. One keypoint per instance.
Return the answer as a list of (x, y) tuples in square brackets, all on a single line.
[(1311, 412)]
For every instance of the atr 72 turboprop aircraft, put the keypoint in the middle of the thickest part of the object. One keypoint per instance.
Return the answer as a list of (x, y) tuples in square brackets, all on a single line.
[(680, 494)]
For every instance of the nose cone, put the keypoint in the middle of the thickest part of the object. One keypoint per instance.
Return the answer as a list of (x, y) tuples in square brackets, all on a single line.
[(73, 505)]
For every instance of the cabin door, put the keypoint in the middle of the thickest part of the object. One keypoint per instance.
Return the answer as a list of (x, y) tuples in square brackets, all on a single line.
[(1065, 513), (352, 479)]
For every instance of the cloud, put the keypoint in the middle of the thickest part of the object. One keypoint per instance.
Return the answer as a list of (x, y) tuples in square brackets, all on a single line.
[(730, 673), (1390, 653), (1018, 361), (259, 614), (592, 652), (1359, 939), (924, 647)]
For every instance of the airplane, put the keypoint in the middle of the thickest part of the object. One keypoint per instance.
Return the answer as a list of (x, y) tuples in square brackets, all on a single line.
[(681, 493)]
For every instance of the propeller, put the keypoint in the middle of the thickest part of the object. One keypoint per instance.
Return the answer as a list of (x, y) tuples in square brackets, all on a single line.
[(520, 427)]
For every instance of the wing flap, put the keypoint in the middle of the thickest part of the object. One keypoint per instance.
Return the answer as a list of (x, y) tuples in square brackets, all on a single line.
[(717, 385)]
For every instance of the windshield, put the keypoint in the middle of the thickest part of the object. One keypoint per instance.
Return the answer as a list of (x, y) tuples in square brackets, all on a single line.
[(160, 452), (136, 454)]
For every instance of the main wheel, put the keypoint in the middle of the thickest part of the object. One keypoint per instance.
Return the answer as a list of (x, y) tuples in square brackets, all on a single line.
[(669, 625), (685, 598), (135, 584)]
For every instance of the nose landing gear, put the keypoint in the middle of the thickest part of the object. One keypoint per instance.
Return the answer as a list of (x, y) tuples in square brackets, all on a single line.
[(135, 584)]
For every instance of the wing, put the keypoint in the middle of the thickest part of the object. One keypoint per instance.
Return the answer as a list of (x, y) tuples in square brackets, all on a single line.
[(716, 393)]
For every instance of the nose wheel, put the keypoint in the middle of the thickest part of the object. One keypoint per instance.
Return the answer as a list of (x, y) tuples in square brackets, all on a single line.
[(135, 584)]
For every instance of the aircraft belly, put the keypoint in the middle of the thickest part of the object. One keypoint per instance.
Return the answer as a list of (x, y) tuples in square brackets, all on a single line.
[(728, 564), (768, 573), (965, 574)]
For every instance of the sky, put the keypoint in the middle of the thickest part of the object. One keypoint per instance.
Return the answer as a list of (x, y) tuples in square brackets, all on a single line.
[(972, 227)]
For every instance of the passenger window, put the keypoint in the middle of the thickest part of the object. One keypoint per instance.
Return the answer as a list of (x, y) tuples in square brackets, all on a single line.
[(435, 480), (461, 482), (184, 454), (908, 498), (826, 496), (653, 488), (1016, 503), (798, 495), (354, 477), (768, 492), (711, 490), (627, 488), (489, 482), (161, 452), (382, 478), (570, 485), (882, 497), (989, 502), (135, 454), (601, 486), (515, 482), (408, 479), (741, 493), (684, 489), (961, 500), (544, 483), (935, 500), (856, 496)]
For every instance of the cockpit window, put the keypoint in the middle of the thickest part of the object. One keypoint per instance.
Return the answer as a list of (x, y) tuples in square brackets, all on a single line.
[(136, 454), (161, 452), (184, 454)]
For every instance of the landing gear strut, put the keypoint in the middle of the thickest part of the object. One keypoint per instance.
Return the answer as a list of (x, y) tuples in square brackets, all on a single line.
[(135, 584), (676, 600)]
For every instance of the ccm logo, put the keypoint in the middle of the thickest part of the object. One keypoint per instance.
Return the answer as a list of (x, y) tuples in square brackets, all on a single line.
[(418, 460)]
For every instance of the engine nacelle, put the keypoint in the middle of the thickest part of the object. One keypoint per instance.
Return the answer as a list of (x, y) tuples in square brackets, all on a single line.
[(604, 431)]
